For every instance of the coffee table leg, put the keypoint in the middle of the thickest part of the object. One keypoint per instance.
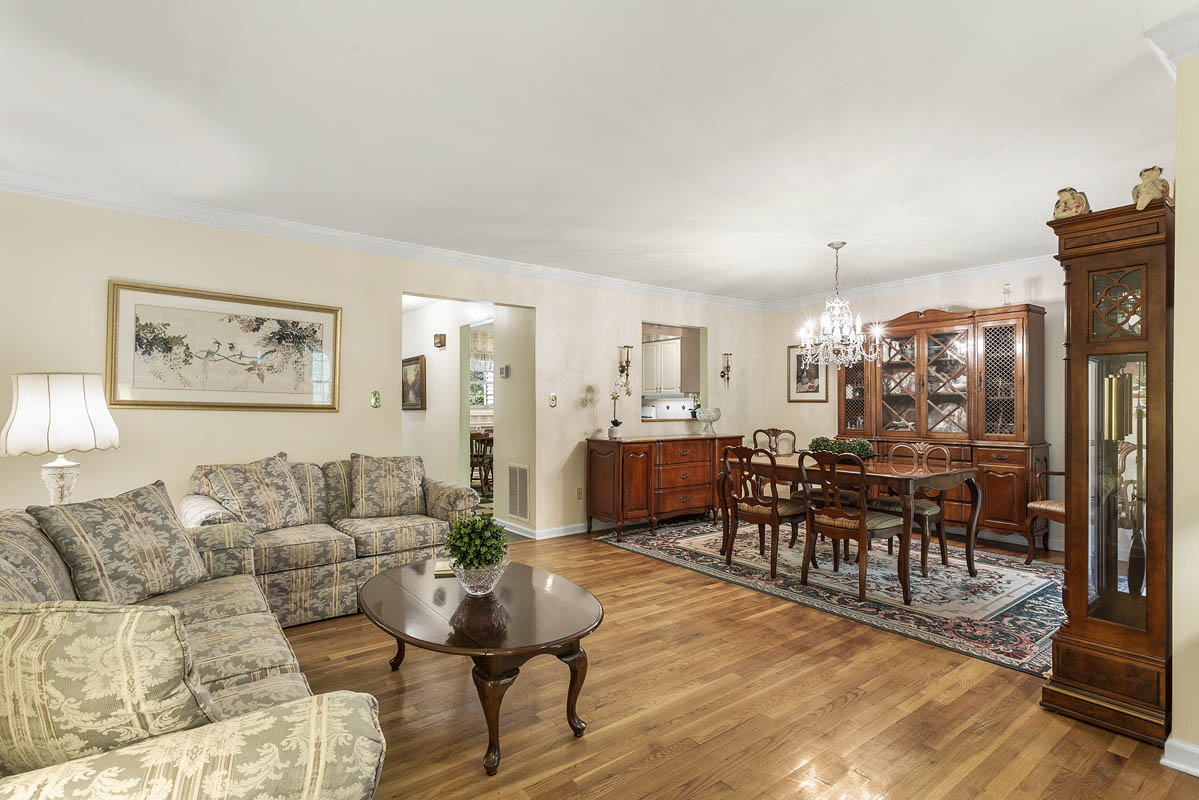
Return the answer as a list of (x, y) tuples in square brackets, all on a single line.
[(491, 694), (577, 661), (398, 658)]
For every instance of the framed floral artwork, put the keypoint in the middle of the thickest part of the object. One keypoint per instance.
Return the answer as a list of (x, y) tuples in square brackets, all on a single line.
[(805, 384), (185, 348), (412, 390)]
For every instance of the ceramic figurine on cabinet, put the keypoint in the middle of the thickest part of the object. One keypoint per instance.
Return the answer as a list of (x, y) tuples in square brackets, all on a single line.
[(1151, 187), (1070, 203)]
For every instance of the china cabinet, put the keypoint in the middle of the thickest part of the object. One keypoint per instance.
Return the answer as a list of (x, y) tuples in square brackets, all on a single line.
[(1111, 657), (971, 380)]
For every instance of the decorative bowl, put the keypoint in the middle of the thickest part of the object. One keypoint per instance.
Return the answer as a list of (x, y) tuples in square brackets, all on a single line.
[(707, 415), (480, 581)]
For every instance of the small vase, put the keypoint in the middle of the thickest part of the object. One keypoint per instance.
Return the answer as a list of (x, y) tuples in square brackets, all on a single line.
[(707, 416), (480, 581), (613, 431)]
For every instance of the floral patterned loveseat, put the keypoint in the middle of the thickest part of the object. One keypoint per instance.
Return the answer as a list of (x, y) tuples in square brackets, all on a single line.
[(320, 531), (261, 732)]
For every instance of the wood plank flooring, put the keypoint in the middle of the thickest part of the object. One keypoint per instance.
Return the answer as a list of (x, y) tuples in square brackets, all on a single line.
[(698, 688)]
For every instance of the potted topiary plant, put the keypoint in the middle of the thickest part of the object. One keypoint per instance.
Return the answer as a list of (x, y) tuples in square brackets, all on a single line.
[(478, 546), (859, 447)]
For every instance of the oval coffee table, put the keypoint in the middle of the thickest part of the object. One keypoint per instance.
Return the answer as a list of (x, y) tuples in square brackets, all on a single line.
[(530, 612)]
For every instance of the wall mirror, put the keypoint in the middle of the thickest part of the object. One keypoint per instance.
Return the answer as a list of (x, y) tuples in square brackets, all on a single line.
[(673, 374)]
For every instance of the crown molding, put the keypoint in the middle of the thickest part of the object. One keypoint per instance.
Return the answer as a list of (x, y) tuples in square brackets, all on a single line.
[(245, 222), (934, 280), (1175, 39)]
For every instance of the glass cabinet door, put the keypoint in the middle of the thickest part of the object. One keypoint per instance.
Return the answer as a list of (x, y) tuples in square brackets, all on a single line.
[(999, 409), (946, 396), (899, 388), (853, 398), (1116, 488)]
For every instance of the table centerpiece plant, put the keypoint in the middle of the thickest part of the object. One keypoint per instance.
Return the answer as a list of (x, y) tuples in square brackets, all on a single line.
[(858, 447), (478, 546)]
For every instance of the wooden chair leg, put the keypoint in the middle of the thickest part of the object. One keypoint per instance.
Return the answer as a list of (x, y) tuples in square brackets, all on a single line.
[(836, 555), (862, 569), (941, 539), (924, 546), (794, 531), (891, 546), (761, 538), (1032, 546), (809, 556), (774, 550), (732, 537)]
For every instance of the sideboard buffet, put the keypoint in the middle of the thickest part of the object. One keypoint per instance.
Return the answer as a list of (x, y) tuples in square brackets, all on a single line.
[(972, 381), (648, 478)]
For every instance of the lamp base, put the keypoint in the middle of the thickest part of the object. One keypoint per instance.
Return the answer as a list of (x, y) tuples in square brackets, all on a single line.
[(60, 476)]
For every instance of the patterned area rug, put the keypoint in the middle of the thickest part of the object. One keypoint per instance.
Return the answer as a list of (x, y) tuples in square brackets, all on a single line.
[(1005, 615)]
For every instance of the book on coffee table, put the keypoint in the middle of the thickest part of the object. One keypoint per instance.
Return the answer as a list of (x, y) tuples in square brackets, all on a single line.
[(441, 569)]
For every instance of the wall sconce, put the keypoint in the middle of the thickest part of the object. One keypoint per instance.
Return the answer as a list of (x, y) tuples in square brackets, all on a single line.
[(439, 341), (728, 368), (624, 360)]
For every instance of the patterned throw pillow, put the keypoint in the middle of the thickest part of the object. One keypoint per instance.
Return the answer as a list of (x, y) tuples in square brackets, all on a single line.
[(386, 487), (123, 549), (82, 678), (263, 493)]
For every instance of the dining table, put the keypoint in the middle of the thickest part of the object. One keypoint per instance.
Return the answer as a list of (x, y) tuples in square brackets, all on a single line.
[(904, 482)]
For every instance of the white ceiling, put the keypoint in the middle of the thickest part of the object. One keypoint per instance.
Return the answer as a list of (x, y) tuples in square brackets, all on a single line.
[(698, 145)]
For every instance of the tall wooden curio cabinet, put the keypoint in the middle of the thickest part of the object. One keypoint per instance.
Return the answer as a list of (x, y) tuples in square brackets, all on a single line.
[(1111, 658)]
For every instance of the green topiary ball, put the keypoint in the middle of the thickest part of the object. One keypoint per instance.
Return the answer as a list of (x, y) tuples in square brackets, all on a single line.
[(476, 541)]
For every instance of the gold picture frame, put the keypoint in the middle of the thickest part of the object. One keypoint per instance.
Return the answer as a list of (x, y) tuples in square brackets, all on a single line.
[(413, 384), (805, 384), (152, 363)]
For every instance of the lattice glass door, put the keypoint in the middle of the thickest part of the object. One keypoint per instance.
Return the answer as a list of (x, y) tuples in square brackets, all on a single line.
[(899, 385), (947, 392), (853, 398), (999, 380)]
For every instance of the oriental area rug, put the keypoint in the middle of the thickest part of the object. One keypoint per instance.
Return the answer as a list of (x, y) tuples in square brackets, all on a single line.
[(1005, 615)]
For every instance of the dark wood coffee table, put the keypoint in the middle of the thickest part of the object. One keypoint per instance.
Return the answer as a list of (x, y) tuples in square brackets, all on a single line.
[(529, 613)]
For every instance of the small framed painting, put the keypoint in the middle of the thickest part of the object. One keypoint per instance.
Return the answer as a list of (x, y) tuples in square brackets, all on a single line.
[(186, 348), (805, 384), (412, 393)]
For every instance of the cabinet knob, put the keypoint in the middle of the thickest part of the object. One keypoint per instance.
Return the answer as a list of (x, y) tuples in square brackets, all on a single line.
[(1002, 457), (685, 452), (684, 474), (684, 498)]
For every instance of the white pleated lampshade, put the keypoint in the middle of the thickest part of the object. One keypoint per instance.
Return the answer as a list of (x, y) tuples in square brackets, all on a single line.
[(56, 412)]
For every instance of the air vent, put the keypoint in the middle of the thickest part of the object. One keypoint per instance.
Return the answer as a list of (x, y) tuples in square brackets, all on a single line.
[(518, 492)]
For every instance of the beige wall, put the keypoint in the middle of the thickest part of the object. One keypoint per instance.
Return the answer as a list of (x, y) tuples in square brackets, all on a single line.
[(1186, 433), (516, 408), (435, 434), (1037, 281), (56, 258)]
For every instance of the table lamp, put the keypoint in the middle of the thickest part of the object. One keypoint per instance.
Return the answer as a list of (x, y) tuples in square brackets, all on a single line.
[(57, 412)]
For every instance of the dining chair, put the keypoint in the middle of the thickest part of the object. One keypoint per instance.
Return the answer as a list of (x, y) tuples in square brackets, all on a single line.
[(752, 495), (928, 507), (827, 514), (481, 459), (1043, 506), (774, 439)]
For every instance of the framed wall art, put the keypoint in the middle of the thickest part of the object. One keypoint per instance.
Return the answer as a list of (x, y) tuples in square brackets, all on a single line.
[(412, 392), (185, 348), (805, 384)]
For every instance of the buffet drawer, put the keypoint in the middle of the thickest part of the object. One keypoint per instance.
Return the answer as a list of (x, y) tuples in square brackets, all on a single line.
[(676, 475), (1006, 456), (698, 498), (684, 451)]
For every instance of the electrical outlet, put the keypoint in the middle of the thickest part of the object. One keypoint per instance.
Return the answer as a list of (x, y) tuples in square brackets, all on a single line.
[(579, 493)]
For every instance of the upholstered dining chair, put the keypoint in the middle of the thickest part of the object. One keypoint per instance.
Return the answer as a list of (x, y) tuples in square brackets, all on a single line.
[(827, 514), (1043, 506), (752, 495), (928, 507), (481, 444)]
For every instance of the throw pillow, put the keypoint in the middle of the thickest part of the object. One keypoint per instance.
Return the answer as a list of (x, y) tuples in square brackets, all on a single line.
[(82, 678), (123, 549), (386, 487), (263, 493)]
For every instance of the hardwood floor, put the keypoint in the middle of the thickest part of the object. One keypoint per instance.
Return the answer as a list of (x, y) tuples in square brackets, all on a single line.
[(698, 688)]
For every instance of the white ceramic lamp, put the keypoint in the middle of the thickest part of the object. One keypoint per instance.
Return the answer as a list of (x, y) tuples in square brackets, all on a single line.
[(57, 412)]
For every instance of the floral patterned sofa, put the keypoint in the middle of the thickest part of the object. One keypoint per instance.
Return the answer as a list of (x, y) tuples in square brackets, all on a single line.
[(254, 729), (320, 531)]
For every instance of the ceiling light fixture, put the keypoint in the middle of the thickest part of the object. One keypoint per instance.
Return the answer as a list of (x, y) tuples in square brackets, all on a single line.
[(840, 340)]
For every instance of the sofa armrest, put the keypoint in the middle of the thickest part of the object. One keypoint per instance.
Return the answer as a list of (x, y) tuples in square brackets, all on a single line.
[(448, 502), (226, 549), (200, 509), (324, 746)]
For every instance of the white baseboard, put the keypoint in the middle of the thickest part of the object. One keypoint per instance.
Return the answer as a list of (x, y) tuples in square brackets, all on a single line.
[(544, 533), (1182, 756)]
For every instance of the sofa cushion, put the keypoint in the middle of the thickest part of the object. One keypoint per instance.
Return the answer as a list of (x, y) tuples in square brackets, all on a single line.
[(337, 488), (263, 493), (311, 481), (394, 534), (388, 486), (220, 598), (237, 650), (301, 546), (247, 697), (31, 570), (125, 548), (82, 678), (304, 595)]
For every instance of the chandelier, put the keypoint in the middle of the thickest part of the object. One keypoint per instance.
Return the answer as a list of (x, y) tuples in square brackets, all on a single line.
[(840, 340)]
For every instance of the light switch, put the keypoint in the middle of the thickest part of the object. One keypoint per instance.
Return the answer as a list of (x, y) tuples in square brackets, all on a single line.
[(553, 400)]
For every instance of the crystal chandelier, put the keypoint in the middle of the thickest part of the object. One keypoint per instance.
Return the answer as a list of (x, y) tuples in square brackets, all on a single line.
[(840, 340)]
